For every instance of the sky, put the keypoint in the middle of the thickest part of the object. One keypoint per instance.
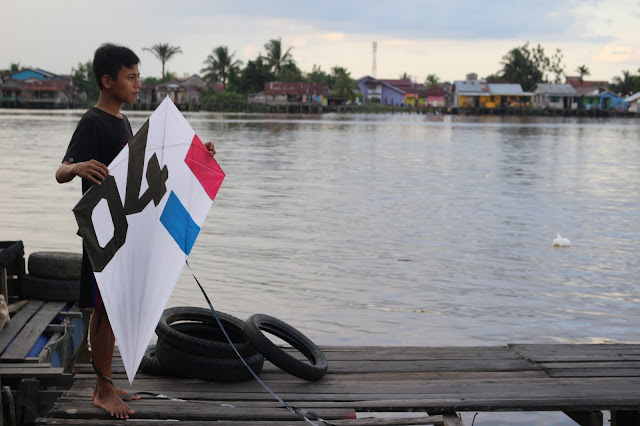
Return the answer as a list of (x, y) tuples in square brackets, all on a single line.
[(448, 38)]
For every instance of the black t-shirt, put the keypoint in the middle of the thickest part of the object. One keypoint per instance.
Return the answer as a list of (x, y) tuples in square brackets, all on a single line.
[(98, 136)]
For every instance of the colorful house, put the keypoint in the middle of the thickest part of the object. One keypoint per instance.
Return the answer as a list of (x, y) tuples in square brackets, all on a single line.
[(29, 74), (377, 91), (470, 93), (588, 98), (474, 93), (609, 101), (434, 97)]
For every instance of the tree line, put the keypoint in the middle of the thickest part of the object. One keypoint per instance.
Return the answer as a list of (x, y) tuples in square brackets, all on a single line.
[(525, 65)]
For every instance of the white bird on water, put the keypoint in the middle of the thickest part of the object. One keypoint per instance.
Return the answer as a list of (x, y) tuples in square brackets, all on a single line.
[(561, 242)]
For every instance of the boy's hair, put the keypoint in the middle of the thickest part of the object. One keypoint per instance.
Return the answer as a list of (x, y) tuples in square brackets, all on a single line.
[(109, 60)]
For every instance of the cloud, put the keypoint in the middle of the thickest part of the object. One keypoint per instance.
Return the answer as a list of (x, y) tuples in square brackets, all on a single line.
[(332, 36), (615, 54)]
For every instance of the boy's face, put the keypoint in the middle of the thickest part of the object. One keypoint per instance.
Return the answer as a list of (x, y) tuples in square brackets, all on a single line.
[(125, 89)]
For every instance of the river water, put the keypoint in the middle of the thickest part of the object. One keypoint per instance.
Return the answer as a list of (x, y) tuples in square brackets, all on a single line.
[(388, 229)]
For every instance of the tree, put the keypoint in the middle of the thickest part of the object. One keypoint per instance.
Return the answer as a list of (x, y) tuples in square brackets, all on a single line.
[(582, 71), (219, 65), (15, 67), (85, 80), (405, 76), (275, 58), (432, 80), (627, 84), (529, 66), (319, 76), (344, 86), (290, 73), (163, 52), (252, 78)]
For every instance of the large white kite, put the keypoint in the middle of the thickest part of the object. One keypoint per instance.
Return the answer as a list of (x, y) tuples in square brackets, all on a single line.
[(140, 224)]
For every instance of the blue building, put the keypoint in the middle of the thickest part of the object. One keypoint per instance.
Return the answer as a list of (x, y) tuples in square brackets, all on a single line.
[(373, 90)]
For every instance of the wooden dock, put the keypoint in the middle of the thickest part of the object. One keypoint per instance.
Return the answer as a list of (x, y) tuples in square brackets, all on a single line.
[(581, 380)]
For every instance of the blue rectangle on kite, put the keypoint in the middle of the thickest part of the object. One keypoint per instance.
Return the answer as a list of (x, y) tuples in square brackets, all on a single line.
[(178, 222)]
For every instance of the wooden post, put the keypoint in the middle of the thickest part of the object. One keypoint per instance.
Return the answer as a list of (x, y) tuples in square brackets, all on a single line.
[(625, 418), (3, 283), (27, 400), (586, 418)]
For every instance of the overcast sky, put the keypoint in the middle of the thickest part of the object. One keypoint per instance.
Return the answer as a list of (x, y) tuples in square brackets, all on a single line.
[(449, 38)]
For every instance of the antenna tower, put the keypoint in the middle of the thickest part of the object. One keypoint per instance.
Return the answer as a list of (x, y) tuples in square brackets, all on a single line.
[(374, 69)]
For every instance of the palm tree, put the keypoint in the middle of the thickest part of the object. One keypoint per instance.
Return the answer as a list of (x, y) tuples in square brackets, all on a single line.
[(344, 86), (219, 65), (583, 70), (625, 84), (163, 52), (275, 58)]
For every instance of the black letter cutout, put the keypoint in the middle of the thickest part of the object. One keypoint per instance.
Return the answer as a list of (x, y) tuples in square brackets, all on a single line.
[(108, 190), (156, 177)]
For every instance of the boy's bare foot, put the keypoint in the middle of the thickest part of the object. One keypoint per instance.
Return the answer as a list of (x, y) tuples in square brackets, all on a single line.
[(105, 397)]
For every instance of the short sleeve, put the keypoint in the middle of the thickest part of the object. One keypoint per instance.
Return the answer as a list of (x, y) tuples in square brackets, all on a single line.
[(84, 142)]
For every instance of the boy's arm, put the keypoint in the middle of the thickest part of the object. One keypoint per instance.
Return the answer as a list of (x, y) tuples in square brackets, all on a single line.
[(92, 170)]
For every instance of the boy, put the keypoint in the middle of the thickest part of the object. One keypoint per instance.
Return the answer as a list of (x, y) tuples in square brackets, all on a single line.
[(100, 135)]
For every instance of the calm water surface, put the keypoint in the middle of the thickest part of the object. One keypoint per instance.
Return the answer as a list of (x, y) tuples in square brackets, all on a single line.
[(388, 229)]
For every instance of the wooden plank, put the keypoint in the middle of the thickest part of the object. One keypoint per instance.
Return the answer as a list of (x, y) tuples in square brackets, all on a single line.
[(394, 421), (28, 336), (491, 379), (167, 409), (594, 372), (18, 321)]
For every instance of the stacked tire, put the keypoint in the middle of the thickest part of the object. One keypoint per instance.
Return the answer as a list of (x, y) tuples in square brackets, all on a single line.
[(52, 276), (192, 344)]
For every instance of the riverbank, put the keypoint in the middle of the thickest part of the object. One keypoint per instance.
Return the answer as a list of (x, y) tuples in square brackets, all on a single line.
[(313, 108)]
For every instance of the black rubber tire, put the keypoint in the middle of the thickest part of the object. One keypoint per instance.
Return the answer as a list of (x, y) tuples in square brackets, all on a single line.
[(204, 347), (55, 264), (177, 362), (49, 289), (308, 371), (150, 364)]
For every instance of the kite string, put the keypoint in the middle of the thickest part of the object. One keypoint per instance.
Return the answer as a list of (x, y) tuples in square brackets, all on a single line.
[(294, 410)]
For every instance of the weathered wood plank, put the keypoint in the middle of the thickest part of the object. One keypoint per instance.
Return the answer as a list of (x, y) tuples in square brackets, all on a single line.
[(18, 321), (437, 381), (30, 333)]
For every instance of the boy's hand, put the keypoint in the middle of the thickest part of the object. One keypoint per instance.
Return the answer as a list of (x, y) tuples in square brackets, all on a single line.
[(92, 170), (210, 147)]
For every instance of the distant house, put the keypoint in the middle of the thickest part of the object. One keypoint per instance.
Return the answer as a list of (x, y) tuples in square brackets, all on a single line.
[(576, 82), (633, 102), (470, 93), (434, 96), (609, 101), (10, 91), (33, 74), (53, 93), (588, 97), (186, 93), (378, 91), (476, 93), (280, 93), (554, 96), (508, 95)]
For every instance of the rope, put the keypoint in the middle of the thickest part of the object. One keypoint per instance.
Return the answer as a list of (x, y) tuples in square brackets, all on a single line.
[(297, 411)]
